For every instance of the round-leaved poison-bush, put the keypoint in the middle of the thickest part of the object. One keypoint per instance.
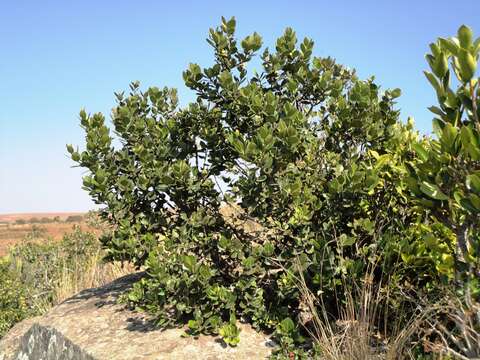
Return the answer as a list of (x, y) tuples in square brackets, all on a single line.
[(294, 168)]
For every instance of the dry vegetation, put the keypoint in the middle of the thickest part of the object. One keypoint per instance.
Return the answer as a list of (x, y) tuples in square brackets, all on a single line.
[(92, 272), (11, 218), (13, 230), (48, 263)]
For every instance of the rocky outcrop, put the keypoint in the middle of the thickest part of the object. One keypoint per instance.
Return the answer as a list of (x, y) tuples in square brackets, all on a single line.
[(93, 326)]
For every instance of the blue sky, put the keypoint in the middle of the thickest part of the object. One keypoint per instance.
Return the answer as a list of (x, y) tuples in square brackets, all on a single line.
[(59, 56)]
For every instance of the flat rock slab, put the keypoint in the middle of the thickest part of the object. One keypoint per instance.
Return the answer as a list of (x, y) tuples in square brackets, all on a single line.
[(92, 326)]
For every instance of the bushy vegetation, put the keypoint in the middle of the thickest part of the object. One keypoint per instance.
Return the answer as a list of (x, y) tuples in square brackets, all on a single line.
[(74, 218), (49, 220), (40, 273), (13, 306), (320, 161)]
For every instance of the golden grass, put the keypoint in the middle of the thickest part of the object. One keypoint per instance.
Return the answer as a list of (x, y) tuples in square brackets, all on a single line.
[(353, 336), (66, 268), (455, 324), (89, 274)]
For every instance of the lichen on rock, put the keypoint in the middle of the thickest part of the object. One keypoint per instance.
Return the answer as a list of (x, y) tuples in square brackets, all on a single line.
[(93, 326)]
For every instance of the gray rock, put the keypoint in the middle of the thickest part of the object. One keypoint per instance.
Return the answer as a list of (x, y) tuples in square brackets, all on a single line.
[(42, 342), (92, 326)]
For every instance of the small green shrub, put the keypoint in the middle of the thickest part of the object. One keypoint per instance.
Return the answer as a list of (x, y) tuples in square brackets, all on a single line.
[(446, 178), (13, 303), (445, 182), (74, 218)]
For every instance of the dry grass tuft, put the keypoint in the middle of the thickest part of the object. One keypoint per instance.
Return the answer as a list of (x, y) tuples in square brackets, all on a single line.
[(455, 326), (354, 336), (54, 270), (90, 273)]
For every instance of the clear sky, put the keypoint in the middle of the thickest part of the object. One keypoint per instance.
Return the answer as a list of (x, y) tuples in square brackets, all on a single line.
[(59, 56)]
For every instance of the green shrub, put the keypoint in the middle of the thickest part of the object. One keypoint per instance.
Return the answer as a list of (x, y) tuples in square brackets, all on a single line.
[(13, 305), (446, 178), (317, 160), (309, 152), (445, 182), (74, 218)]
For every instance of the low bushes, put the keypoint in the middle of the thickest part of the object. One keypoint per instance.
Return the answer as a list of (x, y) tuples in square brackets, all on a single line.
[(40, 273), (13, 303)]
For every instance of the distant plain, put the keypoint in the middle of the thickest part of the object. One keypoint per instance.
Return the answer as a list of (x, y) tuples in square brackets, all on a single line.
[(14, 228)]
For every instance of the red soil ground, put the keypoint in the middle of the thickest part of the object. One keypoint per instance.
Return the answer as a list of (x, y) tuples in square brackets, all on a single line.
[(12, 233)]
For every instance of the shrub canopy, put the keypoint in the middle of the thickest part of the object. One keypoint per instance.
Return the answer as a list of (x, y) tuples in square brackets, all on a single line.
[(314, 157)]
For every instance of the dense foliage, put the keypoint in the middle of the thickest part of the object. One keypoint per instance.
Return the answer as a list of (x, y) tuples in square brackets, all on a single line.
[(13, 307), (315, 157), (446, 178)]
